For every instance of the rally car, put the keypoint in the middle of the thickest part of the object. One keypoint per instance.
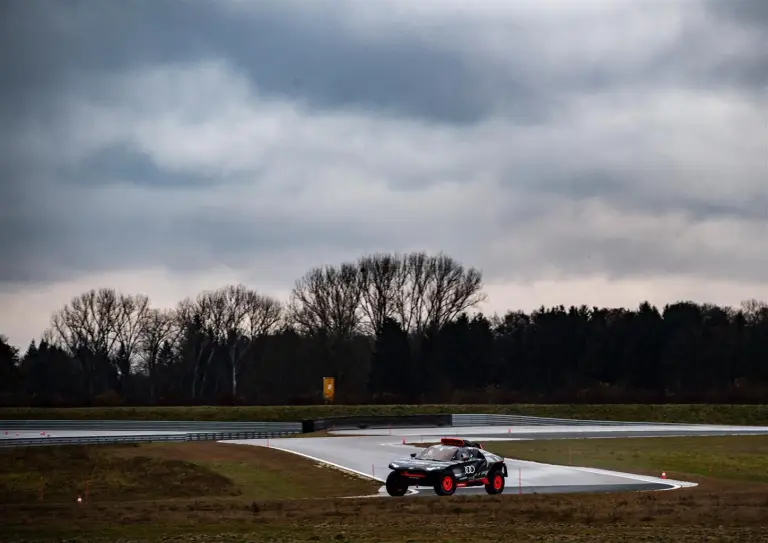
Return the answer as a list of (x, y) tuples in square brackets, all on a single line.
[(452, 464)]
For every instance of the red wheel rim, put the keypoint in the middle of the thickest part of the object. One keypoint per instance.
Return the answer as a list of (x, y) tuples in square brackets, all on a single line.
[(497, 481), (447, 483)]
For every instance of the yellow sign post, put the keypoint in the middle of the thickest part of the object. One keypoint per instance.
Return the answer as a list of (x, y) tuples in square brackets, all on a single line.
[(328, 388)]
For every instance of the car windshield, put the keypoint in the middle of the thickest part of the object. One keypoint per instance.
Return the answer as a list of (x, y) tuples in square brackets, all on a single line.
[(437, 452)]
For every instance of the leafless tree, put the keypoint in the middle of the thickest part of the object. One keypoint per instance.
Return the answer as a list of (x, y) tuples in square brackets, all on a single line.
[(131, 319), (86, 328), (382, 278), (265, 315), (416, 289), (755, 311), (328, 299), (234, 318), (195, 326), (430, 291), (262, 317), (159, 327), (88, 321)]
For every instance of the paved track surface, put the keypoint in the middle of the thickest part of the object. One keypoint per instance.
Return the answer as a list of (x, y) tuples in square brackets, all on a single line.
[(40, 434), (369, 452), (565, 431)]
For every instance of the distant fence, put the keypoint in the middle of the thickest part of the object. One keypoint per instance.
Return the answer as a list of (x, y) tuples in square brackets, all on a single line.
[(150, 425), (128, 439), (464, 420), (136, 431), (142, 431), (377, 421)]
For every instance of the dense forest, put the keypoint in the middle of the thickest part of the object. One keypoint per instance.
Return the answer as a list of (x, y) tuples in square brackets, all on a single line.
[(390, 328)]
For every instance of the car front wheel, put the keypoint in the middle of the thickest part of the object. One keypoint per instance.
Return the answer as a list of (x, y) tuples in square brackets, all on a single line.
[(395, 484), (446, 484), (495, 482)]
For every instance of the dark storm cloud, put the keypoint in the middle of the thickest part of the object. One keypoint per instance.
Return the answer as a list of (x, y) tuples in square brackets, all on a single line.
[(48, 44), (133, 167), (750, 13), (52, 228)]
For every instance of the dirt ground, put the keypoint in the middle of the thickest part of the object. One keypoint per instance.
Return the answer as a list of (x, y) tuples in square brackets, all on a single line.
[(725, 507)]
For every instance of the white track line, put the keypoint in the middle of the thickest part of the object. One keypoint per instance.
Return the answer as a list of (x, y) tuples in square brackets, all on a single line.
[(332, 464), (343, 468), (631, 476)]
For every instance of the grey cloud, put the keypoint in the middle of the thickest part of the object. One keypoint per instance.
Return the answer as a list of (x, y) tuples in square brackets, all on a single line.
[(62, 222), (316, 60), (52, 43), (750, 13), (134, 167)]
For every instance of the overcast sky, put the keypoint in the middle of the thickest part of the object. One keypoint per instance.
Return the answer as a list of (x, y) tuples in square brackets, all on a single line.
[(597, 152)]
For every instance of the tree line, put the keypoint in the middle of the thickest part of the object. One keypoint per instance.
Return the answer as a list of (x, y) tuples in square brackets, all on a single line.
[(390, 328)]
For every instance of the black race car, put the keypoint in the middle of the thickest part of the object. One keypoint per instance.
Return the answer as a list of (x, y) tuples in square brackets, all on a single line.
[(452, 464)]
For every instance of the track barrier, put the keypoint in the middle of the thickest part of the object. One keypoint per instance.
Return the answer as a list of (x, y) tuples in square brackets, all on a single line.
[(49, 432)]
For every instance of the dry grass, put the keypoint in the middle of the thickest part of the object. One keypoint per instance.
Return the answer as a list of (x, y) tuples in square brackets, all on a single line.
[(687, 515), (115, 475), (693, 413), (724, 507), (720, 458)]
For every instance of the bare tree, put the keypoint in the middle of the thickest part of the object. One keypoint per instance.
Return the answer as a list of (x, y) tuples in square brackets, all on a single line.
[(86, 328), (328, 299), (452, 290), (382, 277), (411, 294), (754, 311), (159, 327), (265, 315), (88, 321), (430, 291), (262, 317), (196, 329), (417, 290), (131, 319), (234, 318)]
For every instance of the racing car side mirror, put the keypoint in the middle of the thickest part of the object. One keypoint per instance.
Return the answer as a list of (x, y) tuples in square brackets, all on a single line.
[(413, 455)]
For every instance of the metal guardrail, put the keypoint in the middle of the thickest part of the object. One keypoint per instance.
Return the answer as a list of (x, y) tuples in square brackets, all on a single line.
[(88, 440), (136, 438), (464, 420), (150, 425), (141, 431), (179, 431), (377, 421)]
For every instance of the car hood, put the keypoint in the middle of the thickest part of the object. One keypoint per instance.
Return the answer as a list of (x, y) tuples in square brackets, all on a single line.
[(490, 457), (415, 463)]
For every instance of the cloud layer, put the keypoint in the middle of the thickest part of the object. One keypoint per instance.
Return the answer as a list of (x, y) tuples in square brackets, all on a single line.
[(604, 151)]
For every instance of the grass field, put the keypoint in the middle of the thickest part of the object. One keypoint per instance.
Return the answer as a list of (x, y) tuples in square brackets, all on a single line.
[(694, 413), (119, 473), (731, 503), (722, 458)]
